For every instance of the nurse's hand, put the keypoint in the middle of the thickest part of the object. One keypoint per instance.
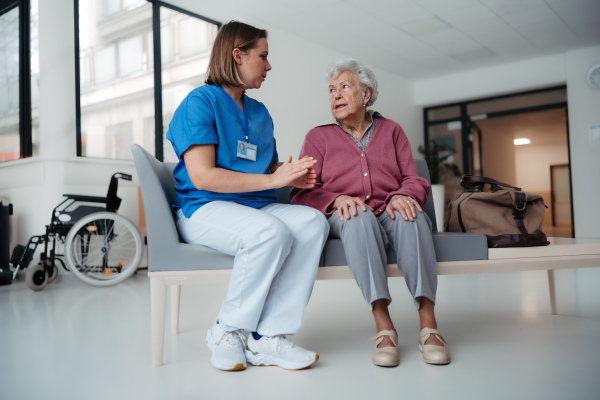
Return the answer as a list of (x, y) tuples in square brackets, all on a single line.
[(298, 173)]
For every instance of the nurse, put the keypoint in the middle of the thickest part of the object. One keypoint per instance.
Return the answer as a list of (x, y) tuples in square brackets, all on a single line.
[(225, 181)]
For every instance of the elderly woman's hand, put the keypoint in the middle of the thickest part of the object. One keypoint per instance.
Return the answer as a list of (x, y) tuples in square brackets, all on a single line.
[(405, 205), (346, 205)]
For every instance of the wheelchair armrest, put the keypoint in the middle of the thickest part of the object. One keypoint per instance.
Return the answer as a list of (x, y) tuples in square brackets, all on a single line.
[(90, 199)]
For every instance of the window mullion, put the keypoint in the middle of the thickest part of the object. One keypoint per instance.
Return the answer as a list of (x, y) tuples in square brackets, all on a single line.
[(25, 79), (158, 111)]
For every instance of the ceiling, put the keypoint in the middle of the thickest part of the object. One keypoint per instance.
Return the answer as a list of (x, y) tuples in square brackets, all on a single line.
[(417, 39)]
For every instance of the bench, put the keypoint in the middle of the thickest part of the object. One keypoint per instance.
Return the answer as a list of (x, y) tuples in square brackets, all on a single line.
[(174, 263)]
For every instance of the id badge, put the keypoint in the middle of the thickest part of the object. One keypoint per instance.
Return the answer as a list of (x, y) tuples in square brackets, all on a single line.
[(246, 150)]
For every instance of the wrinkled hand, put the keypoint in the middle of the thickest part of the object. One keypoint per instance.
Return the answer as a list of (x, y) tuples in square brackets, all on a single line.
[(405, 205), (346, 205), (298, 173)]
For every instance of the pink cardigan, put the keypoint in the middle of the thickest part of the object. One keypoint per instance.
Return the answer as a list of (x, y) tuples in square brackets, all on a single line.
[(384, 169)]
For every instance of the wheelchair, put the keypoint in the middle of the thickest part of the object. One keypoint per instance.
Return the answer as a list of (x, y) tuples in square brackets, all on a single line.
[(101, 247)]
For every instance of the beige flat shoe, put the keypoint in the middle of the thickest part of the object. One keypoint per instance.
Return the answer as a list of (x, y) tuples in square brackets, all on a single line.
[(433, 354), (386, 356)]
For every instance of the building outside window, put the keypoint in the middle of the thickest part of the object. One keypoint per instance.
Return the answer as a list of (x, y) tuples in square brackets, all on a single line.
[(9, 86), (116, 73), (18, 125)]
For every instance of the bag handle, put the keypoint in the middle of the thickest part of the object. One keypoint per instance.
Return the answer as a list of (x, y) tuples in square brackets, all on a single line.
[(473, 183)]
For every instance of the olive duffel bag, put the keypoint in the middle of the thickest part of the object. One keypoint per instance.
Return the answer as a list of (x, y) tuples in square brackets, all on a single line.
[(508, 217)]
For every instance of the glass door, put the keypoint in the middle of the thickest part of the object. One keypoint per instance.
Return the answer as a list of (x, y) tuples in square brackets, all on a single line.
[(483, 134)]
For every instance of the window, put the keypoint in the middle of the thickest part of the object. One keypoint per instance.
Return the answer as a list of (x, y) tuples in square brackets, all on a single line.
[(121, 87), (9, 85), (18, 81)]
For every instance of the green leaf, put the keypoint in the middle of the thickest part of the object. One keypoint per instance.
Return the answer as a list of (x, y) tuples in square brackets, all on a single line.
[(436, 157)]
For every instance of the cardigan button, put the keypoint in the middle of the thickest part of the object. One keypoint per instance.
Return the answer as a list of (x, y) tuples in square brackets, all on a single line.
[(368, 196), (362, 155), (365, 174)]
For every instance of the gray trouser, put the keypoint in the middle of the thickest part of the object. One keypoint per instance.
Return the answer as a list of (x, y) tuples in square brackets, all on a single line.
[(365, 238)]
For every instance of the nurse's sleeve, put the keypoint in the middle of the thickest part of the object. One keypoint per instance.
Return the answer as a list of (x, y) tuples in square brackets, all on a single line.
[(275, 158), (194, 122)]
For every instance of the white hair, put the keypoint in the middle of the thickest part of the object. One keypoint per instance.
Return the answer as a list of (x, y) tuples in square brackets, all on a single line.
[(364, 75)]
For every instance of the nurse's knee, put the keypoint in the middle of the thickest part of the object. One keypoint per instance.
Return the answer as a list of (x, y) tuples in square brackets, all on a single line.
[(312, 221), (271, 232)]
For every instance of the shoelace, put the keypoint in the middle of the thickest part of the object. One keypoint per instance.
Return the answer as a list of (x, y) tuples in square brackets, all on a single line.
[(281, 341), (231, 339)]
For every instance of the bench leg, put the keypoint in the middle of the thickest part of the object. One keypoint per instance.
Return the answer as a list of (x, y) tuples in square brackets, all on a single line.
[(158, 300), (175, 301), (552, 287)]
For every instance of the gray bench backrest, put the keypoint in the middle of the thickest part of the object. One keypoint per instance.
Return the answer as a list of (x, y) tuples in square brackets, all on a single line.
[(428, 208)]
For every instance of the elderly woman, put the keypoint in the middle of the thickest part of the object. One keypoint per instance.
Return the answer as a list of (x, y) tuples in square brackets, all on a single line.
[(368, 187)]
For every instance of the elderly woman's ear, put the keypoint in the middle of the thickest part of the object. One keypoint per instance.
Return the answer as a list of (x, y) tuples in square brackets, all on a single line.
[(368, 92)]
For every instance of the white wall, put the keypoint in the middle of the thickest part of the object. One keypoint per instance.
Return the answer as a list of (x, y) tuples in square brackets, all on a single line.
[(295, 94), (533, 165), (584, 110), (499, 157), (509, 78)]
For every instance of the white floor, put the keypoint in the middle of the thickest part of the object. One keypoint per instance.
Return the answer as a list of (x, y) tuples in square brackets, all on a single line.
[(75, 341)]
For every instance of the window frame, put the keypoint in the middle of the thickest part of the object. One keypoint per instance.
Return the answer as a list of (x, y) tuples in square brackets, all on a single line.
[(25, 123), (156, 48), (465, 119)]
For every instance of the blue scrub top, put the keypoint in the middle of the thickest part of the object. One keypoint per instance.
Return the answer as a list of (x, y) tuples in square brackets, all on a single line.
[(208, 115)]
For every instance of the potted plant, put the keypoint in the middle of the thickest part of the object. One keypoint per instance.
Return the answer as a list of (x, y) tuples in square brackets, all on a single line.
[(437, 157)]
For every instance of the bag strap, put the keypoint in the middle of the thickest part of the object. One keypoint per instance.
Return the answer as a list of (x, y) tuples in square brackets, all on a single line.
[(518, 214), (473, 183)]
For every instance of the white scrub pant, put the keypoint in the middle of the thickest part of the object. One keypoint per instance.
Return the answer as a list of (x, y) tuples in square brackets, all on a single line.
[(277, 250)]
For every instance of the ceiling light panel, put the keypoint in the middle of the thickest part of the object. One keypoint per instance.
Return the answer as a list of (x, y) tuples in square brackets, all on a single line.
[(521, 141)]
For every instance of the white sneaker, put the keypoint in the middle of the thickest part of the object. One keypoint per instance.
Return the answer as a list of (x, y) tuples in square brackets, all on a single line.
[(280, 351), (227, 348)]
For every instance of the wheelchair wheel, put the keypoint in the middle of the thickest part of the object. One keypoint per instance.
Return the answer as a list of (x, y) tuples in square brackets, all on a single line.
[(53, 274), (103, 248), (36, 277)]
